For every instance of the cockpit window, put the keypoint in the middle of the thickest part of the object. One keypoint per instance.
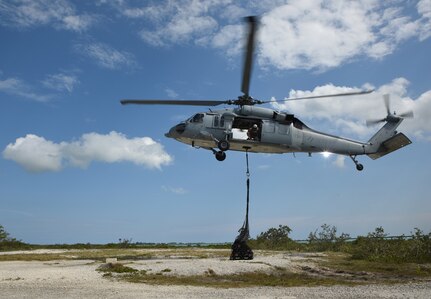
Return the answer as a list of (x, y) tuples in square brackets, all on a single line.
[(197, 118)]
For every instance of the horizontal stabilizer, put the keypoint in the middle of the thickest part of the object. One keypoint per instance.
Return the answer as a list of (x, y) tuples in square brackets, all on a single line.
[(392, 144)]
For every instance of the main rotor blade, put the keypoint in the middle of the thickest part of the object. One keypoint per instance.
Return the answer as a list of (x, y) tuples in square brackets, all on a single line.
[(387, 103), (173, 102), (326, 96), (371, 122), (407, 114), (248, 61)]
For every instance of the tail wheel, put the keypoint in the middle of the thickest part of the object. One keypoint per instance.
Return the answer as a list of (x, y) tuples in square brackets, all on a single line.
[(223, 145), (359, 166), (220, 156)]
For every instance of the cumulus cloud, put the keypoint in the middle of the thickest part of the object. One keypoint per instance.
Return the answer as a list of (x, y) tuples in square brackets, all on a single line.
[(36, 154), (107, 56), (60, 13), (324, 34), (229, 38), (348, 114), (295, 34)]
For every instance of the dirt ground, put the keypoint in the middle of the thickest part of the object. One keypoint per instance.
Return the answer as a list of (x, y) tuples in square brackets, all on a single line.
[(78, 278)]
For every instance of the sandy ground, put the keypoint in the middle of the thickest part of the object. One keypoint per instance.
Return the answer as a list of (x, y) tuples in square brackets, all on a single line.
[(79, 279)]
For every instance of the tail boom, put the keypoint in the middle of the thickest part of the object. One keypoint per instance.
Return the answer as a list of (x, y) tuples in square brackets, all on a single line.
[(387, 139)]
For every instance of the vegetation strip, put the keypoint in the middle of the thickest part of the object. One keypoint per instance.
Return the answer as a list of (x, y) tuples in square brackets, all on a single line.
[(248, 279)]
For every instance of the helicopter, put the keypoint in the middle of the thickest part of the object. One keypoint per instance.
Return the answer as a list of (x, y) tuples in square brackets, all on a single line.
[(248, 128)]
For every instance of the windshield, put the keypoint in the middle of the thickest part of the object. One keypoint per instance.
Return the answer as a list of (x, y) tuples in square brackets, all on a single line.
[(197, 118)]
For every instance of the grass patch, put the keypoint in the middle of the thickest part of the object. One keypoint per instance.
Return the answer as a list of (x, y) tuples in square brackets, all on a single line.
[(344, 262), (115, 268), (250, 279), (119, 253), (32, 257)]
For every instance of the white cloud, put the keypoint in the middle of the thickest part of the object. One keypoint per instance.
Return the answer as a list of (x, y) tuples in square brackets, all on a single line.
[(296, 34), (348, 114), (106, 56), (17, 87), (61, 82), (28, 13), (234, 12), (170, 22), (230, 38), (420, 126), (36, 154), (324, 34), (187, 23), (424, 9), (77, 23)]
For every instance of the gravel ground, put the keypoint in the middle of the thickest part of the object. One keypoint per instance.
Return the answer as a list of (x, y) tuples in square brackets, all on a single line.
[(79, 279)]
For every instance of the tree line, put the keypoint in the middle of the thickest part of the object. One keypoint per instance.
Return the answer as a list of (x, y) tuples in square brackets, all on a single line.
[(375, 246)]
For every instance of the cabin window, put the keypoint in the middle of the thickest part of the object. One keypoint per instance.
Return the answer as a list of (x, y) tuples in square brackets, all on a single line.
[(282, 129), (216, 121), (269, 127), (222, 121)]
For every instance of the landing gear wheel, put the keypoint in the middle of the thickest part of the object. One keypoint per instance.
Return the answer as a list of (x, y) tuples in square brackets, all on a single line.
[(223, 145), (220, 156), (359, 166)]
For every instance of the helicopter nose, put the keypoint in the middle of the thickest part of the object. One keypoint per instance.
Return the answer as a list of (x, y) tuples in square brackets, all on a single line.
[(176, 131), (171, 133)]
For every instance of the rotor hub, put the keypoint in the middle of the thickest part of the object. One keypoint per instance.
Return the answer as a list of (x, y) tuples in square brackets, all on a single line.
[(245, 100)]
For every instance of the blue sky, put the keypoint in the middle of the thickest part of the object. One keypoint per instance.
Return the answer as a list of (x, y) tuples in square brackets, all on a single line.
[(76, 166)]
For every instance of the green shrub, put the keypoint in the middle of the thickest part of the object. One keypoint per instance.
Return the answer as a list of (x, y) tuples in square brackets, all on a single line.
[(326, 239), (8, 243), (275, 239), (375, 247), (115, 268)]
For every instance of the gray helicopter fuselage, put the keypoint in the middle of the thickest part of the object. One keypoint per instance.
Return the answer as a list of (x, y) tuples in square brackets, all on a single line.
[(263, 130), (277, 133)]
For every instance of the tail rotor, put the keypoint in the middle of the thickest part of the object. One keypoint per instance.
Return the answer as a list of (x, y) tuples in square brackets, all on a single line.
[(390, 116)]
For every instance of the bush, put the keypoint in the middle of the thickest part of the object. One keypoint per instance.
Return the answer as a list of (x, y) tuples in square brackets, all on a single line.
[(3, 234), (275, 239), (375, 247), (8, 243), (326, 239)]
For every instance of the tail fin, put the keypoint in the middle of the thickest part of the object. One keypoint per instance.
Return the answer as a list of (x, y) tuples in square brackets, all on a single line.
[(387, 140)]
